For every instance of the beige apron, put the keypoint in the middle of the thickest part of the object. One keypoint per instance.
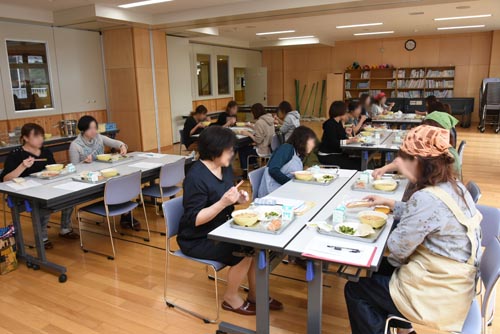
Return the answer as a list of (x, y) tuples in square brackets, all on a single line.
[(434, 290)]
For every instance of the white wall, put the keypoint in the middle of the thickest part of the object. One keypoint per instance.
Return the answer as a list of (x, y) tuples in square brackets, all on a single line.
[(182, 73), (179, 76), (75, 69), (237, 58), (79, 62)]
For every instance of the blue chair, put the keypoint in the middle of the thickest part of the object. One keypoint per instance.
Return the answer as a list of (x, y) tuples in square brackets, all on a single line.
[(474, 191), (173, 211), (255, 178), (478, 317), (120, 196), (170, 176), (490, 230)]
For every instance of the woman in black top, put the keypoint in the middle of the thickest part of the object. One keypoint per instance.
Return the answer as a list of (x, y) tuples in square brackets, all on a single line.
[(228, 118), (31, 158), (334, 134), (193, 126), (209, 198)]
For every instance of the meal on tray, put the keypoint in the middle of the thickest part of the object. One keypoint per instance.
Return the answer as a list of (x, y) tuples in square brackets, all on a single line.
[(354, 229), (385, 184), (374, 219), (269, 218)]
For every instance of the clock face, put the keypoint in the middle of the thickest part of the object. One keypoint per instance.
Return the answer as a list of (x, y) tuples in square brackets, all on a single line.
[(410, 45)]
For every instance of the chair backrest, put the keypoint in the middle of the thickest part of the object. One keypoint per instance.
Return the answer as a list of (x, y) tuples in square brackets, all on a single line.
[(460, 151), (181, 133), (172, 174), (492, 93), (173, 211), (122, 189), (474, 191), (255, 178), (490, 273), (275, 143), (490, 225)]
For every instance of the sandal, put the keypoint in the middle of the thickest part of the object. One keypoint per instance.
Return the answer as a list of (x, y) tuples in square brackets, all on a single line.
[(70, 235), (274, 304), (47, 244), (246, 309)]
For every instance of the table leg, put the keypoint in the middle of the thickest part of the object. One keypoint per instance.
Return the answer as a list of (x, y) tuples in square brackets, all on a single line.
[(364, 160), (20, 250), (262, 293), (315, 299)]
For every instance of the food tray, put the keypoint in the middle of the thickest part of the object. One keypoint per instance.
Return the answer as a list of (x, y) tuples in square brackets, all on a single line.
[(316, 182), (121, 158), (370, 239), (259, 227), (79, 179), (38, 175), (369, 188)]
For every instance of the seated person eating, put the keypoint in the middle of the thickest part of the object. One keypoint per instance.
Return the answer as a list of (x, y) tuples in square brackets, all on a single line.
[(31, 158), (287, 159), (430, 274), (193, 125), (209, 199)]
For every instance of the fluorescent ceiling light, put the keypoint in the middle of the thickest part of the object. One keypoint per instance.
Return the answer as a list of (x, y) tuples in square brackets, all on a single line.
[(360, 25), (295, 37), (274, 32), (374, 33), (461, 17), (462, 27), (142, 3)]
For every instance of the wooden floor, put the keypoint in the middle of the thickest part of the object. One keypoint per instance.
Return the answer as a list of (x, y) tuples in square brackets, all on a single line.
[(126, 295)]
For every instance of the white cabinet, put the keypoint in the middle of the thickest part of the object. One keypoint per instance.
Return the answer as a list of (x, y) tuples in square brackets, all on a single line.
[(80, 69)]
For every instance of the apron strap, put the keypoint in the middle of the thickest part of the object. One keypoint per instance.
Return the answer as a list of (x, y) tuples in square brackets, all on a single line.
[(470, 223)]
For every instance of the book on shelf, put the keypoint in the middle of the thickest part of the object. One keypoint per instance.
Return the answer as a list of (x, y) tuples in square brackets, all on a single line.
[(410, 94), (363, 85), (391, 84), (347, 76), (412, 83), (440, 73), (399, 74), (420, 73), (439, 84), (365, 75), (348, 85), (448, 93), (348, 95)]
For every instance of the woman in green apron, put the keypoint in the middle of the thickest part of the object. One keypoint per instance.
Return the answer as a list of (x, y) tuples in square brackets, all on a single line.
[(430, 275)]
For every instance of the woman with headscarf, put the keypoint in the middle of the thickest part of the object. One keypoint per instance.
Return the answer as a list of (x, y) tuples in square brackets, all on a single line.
[(430, 274)]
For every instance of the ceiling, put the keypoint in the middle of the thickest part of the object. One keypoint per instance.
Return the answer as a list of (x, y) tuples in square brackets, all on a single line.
[(238, 21)]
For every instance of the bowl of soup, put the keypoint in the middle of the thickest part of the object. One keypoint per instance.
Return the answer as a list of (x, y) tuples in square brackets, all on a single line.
[(245, 217), (373, 218), (54, 167)]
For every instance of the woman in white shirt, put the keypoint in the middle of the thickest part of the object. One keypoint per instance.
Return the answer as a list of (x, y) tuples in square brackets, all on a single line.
[(379, 107)]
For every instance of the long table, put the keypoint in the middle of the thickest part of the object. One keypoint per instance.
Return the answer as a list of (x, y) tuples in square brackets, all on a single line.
[(270, 248), (46, 196), (299, 244), (385, 145), (405, 119)]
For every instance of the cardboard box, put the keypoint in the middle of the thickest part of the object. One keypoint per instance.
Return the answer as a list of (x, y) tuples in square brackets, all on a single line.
[(8, 260)]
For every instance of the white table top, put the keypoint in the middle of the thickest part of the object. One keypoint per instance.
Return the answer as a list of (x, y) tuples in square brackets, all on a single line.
[(318, 194), (384, 136), (46, 190), (297, 246), (410, 118)]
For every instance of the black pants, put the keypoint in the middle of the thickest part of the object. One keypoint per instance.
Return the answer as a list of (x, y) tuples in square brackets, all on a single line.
[(243, 153), (369, 302), (342, 160)]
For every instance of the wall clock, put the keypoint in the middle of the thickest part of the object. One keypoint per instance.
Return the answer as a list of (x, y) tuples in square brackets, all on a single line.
[(410, 45)]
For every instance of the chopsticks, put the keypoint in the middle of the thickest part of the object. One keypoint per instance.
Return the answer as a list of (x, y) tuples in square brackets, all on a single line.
[(40, 160), (239, 184)]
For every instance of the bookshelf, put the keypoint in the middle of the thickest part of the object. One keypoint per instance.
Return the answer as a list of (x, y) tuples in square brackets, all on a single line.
[(405, 82)]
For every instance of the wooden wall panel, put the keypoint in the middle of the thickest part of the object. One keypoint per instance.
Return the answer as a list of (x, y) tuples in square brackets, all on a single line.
[(221, 104), (213, 105), (118, 48), (272, 59), (471, 53), (495, 55), (142, 54)]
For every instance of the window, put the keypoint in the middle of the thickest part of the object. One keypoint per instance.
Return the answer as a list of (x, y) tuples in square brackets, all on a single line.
[(203, 74), (29, 75), (223, 74)]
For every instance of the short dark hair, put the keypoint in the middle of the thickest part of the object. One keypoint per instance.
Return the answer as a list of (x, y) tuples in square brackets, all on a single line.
[(258, 110), (201, 109), (353, 105), (436, 106), (214, 140), (299, 137), (285, 107), (85, 121), (230, 105), (337, 108), (431, 98), (28, 128)]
